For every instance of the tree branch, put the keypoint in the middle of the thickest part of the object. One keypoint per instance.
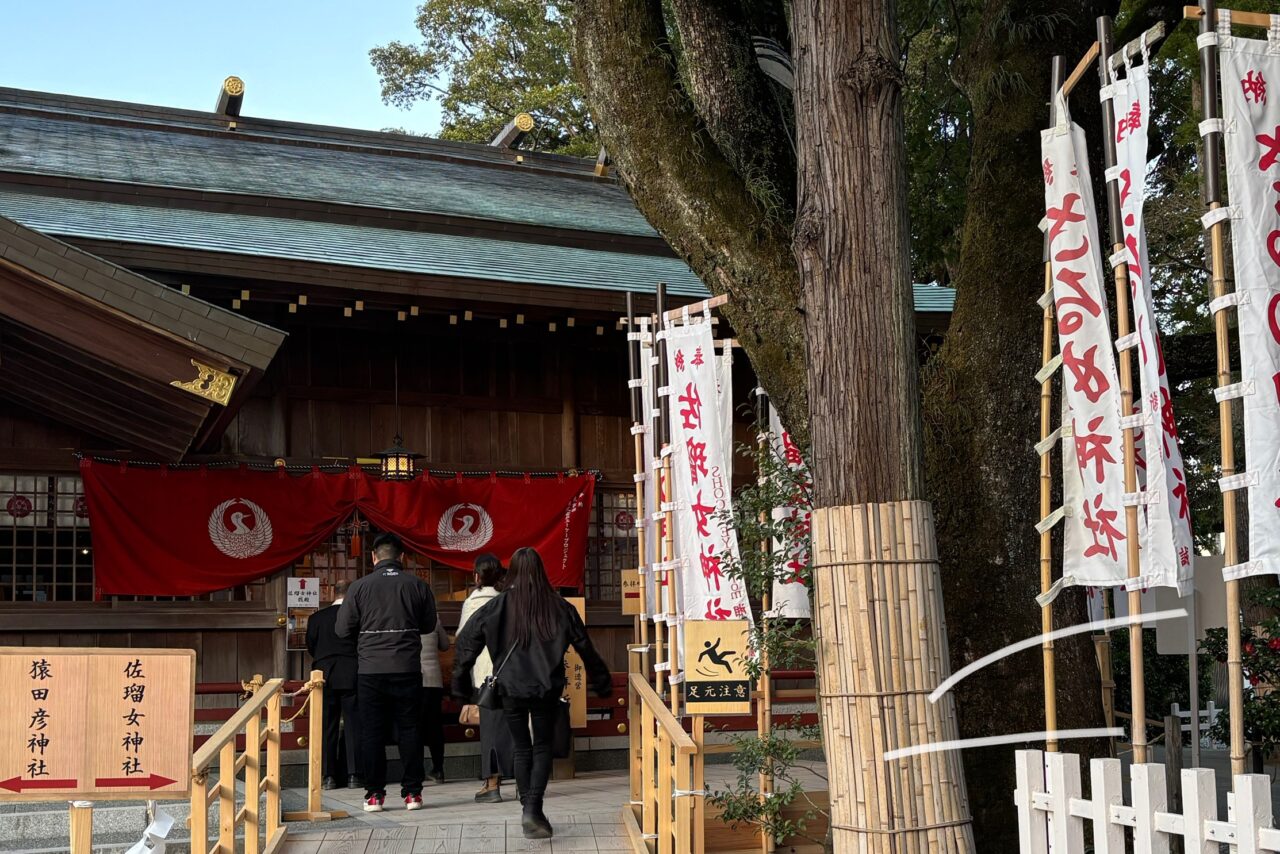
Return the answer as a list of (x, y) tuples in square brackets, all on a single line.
[(690, 193)]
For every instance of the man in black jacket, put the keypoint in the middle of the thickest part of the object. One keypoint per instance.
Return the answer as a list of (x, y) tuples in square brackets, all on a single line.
[(336, 658), (388, 611)]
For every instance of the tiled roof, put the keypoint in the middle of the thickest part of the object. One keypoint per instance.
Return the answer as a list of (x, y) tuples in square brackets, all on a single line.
[(223, 163), (425, 253), (217, 329)]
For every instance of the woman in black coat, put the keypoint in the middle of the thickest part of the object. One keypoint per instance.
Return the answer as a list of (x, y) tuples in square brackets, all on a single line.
[(527, 629)]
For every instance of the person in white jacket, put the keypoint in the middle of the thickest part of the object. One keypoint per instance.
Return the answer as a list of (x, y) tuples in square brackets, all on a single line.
[(496, 750), (432, 698)]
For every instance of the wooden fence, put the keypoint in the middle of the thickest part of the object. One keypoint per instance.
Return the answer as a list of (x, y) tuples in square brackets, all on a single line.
[(1052, 810), (663, 819), (263, 831)]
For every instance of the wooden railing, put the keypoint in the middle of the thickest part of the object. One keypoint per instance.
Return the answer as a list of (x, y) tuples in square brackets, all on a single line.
[(263, 834), (670, 779)]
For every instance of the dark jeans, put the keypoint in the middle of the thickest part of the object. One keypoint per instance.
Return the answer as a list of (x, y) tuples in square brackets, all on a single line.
[(532, 755), (433, 727), (340, 706), (388, 699)]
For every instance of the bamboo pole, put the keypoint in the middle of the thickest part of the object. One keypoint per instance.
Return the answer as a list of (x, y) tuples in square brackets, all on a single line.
[(1046, 461), (1208, 17), (1137, 682), (764, 711), (638, 659), (663, 441)]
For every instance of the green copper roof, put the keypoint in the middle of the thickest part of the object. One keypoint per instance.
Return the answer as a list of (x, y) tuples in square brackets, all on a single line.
[(224, 163), (418, 252)]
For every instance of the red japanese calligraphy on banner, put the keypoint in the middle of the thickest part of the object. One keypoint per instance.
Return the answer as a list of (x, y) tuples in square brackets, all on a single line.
[(1165, 516), (1093, 472), (790, 593), (171, 532), (1251, 115), (705, 544)]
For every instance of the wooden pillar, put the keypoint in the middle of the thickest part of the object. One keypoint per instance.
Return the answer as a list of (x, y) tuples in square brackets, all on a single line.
[(81, 827)]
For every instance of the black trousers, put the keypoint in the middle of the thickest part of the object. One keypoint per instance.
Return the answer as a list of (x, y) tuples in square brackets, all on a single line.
[(433, 726), (340, 706), (532, 752), (387, 700)]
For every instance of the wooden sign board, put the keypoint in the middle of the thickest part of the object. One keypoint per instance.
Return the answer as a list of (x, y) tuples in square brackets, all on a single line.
[(575, 673), (715, 674), (104, 724), (631, 586)]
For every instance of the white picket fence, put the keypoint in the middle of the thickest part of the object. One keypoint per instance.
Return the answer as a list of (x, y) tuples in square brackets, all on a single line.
[(1208, 717), (1052, 809)]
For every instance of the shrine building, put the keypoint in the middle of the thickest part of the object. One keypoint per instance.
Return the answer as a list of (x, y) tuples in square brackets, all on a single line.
[(205, 288)]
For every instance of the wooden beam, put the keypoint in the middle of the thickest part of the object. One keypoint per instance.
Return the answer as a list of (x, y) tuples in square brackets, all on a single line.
[(1243, 19), (1081, 68), (698, 307)]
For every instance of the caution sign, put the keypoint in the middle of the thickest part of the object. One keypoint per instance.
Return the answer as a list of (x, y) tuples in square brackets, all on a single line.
[(716, 680), (96, 723), (631, 581)]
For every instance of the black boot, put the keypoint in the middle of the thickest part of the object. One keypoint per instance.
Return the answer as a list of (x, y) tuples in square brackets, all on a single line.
[(534, 822)]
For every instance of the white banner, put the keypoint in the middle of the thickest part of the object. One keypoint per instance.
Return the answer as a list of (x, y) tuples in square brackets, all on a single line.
[(1093, 469), (790, 595), (1251, 115), (724, 399), (1167, 545), (700, 464)]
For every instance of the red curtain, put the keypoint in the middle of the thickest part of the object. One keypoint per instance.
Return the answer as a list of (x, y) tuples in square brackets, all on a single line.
[(165, 532)]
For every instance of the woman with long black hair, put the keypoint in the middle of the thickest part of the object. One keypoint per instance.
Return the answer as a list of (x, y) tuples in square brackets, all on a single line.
[(527, 629)]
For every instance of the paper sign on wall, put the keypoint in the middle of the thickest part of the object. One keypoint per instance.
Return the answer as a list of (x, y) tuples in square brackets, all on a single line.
[(304, 593)]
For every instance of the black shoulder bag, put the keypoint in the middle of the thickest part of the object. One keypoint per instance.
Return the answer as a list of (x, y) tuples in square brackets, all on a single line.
[(488, 697)]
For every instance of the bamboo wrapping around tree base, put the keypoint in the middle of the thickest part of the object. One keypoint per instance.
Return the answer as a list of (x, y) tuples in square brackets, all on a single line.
[(882, 648)]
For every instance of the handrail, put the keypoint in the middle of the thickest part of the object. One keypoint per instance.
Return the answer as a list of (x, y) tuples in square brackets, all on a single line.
[(208, 751), (648, 697)]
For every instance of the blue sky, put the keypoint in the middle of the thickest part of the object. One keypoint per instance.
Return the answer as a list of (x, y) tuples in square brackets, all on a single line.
[(301, 61)]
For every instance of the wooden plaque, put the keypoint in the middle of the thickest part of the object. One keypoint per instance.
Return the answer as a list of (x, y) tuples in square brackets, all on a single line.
[(631, 581), (716, 680), (100, 723), (576, 674)]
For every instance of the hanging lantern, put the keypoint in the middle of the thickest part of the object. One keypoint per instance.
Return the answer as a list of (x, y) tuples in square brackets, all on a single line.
[(398, 463)]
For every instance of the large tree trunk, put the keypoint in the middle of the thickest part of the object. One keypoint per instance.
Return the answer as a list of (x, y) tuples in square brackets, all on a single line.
[(877, 590)]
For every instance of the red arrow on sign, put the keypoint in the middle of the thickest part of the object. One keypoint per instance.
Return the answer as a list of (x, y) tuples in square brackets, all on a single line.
[(155, 781), (17, 784)]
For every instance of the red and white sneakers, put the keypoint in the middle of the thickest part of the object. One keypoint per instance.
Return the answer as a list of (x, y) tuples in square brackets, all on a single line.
[(413, 802), (374, 804)]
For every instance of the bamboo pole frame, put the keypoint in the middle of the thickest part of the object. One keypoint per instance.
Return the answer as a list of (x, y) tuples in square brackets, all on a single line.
[(637, 659), (1046, 462), (1137, 681), (1207, 15), (669, 578), (764, 709)]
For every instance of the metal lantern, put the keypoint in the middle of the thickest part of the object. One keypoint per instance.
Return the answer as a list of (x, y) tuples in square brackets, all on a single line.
[(398, 463)]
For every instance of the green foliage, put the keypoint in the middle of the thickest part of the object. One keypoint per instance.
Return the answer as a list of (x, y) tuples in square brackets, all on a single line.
[(785, 644), (486, 61), (1260, 648)]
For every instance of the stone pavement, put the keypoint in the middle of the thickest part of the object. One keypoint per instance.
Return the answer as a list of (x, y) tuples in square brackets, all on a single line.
[(586, 813)]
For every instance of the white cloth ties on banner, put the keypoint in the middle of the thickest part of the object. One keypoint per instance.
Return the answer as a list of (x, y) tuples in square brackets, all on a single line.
[(653, 474), (1251, 109), (1167, 547), (700, 483), (1093, 471), (790, 596)]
